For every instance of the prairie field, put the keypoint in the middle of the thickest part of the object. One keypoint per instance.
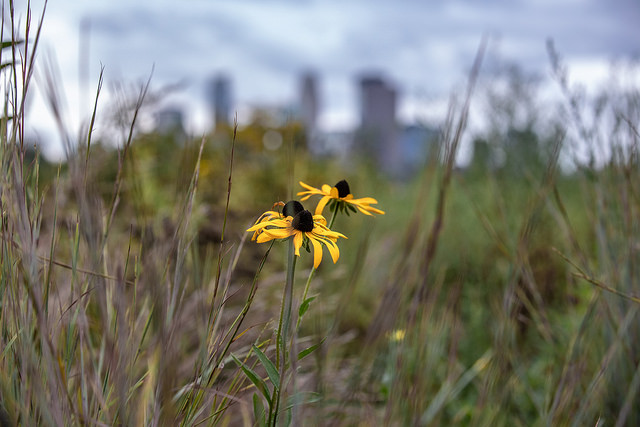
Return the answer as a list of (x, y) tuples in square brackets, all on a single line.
[(503, 292)]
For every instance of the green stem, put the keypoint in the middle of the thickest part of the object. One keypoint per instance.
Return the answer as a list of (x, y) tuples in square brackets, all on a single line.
[(288, 295), (284, 327), (313, 269)]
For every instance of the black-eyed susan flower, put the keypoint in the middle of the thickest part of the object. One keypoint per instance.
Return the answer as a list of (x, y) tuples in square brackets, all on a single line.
[(340, 197), (301, 225)]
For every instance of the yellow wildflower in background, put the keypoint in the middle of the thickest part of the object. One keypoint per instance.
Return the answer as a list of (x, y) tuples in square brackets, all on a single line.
[(397, 335), (341, 196)]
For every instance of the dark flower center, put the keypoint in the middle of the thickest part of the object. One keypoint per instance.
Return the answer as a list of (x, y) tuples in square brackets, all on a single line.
[(303, 221), (292, 208), (343, 189)]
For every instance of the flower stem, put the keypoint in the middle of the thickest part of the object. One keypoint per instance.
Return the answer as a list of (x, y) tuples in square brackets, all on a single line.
[(284, 326), (288, 293), (313, 269)]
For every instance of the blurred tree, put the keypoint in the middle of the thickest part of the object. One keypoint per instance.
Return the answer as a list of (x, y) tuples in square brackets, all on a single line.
[(518, 136)]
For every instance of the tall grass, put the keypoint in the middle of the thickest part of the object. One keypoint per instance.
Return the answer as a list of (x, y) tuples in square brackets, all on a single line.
[(107, 317), (130, 294)]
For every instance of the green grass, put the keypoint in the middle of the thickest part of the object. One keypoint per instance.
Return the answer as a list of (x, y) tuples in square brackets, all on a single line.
[(130, 293)]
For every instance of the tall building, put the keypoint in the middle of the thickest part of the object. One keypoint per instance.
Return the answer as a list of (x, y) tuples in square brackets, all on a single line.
[(378, 133), (221, 99), (308, 108), (309, 101)]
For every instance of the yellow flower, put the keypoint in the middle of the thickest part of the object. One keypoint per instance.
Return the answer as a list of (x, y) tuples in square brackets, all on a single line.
[(342, 196), (300, 224), (397, 335)]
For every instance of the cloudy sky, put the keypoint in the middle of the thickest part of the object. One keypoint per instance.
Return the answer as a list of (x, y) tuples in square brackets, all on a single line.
[(424, 47)]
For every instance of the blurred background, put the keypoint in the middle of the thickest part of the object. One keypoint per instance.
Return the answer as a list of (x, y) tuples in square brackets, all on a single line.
[(330, 64)]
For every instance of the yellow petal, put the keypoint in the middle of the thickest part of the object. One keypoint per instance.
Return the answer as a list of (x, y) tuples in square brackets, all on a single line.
[(267, 216), (274, 223), (257, 226), (319, 219), (254, 227), (308, 187), (264, 237), (336, 234), (280, 223), (317, 252), (326, 189), (361, 209), (325, 232), (331, 246), (364, 206), (297, 241), (367, 200), (374, 210), (333, 250), (321, 204), (277, 233)]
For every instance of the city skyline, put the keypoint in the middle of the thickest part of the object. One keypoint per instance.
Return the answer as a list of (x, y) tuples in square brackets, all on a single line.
[(426, 49)]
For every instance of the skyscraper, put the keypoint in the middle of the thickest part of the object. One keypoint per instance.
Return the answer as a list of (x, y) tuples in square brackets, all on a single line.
[(309, 101), (308, 108), (378, 133), (221, 94)]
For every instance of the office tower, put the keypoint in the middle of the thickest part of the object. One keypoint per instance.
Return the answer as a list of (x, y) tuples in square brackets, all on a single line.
[(221, 93), (378, 133), (309, 102)]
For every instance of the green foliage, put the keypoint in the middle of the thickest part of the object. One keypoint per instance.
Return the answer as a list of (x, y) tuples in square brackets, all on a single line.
[(256, 380)]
